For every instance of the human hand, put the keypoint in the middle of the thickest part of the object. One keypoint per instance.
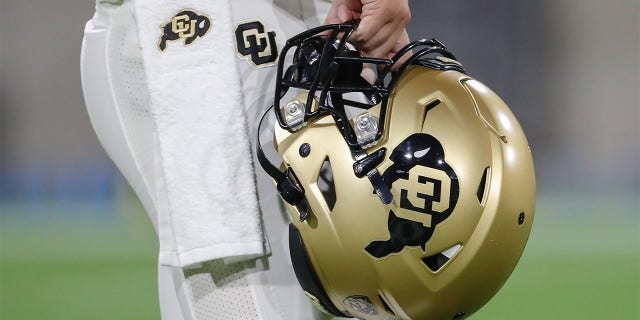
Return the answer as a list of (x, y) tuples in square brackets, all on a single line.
[(381, 32)]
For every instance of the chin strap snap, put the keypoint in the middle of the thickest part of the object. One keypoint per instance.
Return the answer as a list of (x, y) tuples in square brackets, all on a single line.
[(366, 165)]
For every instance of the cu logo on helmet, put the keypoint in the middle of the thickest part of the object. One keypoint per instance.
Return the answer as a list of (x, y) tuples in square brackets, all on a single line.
[(423, 194), (425, 189)]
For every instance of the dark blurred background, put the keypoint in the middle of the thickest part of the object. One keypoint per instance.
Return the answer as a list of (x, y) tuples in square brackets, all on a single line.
[(74, 241)]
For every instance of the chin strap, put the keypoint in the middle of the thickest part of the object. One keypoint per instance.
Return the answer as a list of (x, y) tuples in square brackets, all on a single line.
[(287, 184)]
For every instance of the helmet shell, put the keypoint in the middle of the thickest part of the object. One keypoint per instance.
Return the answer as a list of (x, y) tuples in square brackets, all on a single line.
[(461, 172)]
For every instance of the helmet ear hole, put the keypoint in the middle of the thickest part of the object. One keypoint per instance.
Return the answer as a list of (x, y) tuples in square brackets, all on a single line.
[(306, 275)]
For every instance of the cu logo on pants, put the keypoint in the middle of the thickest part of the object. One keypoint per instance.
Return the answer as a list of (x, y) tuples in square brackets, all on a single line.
[(256, 44)]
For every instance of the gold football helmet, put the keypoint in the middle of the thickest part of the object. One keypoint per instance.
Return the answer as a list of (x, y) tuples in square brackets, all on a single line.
[(418, 207)]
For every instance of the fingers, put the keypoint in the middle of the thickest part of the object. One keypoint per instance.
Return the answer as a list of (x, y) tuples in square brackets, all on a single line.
[(339, 13), (403, 40), (379, 44), (368, 73), (381, 27), (381, 32), (343, 11)]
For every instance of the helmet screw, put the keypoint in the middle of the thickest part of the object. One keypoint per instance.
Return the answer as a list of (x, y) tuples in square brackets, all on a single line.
[(305, 150), (521, 218), (458, 316), (294, 108), (364, 123)]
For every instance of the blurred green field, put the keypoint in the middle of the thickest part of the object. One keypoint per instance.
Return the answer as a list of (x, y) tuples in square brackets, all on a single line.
[(86, 261), (77, 261)]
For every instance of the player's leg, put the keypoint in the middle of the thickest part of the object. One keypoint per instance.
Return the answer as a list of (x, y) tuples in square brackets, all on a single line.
[(119, 107), (117, 101)]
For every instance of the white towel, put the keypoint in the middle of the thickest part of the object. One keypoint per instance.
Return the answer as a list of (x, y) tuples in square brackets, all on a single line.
[(206, 198)]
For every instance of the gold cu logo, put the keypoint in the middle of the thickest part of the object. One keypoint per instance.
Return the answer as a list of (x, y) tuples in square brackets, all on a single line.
[(425, 191), (184, 26)]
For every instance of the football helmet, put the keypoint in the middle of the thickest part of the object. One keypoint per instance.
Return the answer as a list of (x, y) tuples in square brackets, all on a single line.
[(412, 196)]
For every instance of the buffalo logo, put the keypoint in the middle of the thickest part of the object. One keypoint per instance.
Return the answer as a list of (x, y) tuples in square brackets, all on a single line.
[(427, 191), (187, 25), (256, 44)]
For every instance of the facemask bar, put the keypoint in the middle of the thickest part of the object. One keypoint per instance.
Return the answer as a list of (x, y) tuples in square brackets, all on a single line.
[(322, 87), (331, 101), (329, 95)]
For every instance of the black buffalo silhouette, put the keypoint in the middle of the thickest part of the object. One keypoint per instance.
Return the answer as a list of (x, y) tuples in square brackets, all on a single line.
[(419, 149)]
